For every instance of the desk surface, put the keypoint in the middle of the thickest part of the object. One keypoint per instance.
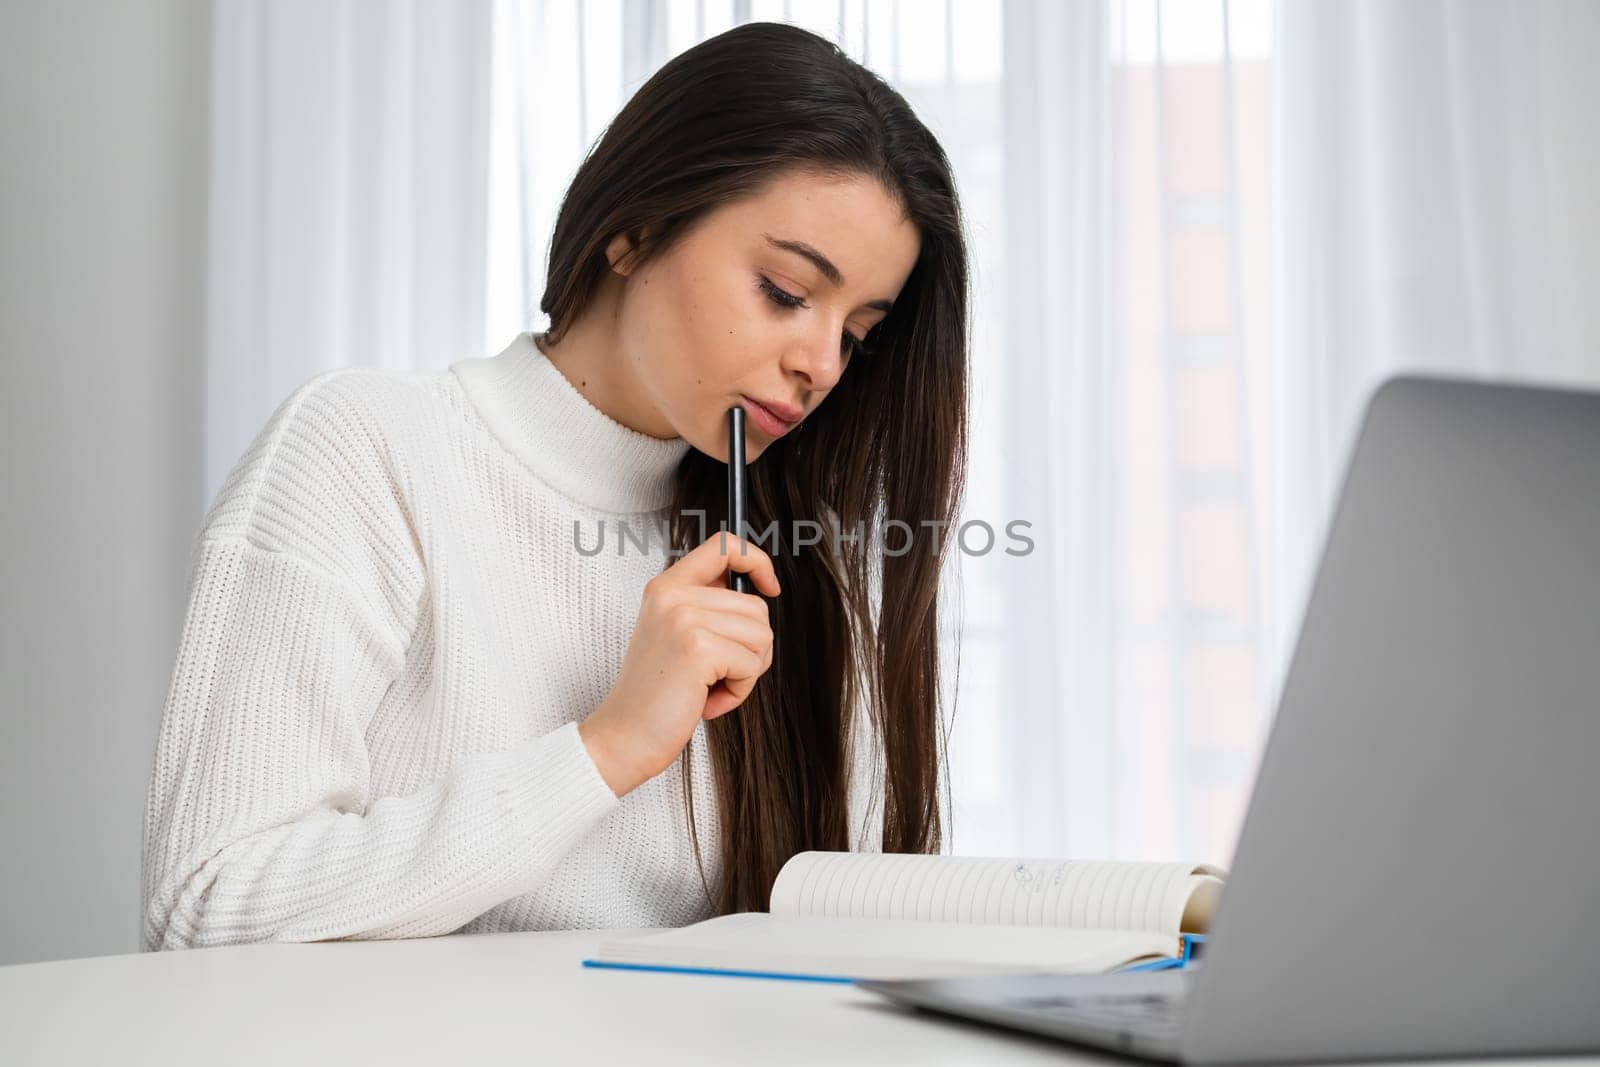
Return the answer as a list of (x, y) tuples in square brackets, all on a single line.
[(465, 998)]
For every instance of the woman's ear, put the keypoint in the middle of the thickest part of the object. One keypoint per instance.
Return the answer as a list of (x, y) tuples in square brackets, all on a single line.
[(622, 251)]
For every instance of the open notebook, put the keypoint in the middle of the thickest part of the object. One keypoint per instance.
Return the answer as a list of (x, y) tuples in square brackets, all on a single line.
[(840, 916)]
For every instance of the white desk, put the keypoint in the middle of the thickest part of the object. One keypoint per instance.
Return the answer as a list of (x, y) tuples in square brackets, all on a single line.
[(486, 998)]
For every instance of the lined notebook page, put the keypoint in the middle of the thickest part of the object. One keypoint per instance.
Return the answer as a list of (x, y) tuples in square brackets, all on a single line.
[(1083, 894)]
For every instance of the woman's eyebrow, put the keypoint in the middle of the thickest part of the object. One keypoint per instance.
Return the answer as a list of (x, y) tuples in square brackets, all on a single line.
[(822, 263)]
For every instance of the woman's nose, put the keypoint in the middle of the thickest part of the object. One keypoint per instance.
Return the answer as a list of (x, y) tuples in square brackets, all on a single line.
[(818, 362)]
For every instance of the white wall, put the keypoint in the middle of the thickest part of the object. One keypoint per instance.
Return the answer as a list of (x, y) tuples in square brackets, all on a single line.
[(103, 120)]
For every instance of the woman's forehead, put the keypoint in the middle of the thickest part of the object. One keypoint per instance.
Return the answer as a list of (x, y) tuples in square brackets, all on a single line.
[(852, 224)]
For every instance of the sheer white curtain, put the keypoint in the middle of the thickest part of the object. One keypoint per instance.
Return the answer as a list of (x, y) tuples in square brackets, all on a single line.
[(1438, 167), (1130, 408), (348, 156)]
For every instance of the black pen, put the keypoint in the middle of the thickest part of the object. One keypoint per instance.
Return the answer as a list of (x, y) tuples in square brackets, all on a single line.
[(736, 580)]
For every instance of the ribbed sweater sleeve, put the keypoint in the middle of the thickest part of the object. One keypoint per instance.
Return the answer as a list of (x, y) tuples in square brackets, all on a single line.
[(260, 823)]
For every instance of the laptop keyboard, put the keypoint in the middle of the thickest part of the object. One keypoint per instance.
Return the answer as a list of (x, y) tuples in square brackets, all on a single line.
[(1151, 1013)]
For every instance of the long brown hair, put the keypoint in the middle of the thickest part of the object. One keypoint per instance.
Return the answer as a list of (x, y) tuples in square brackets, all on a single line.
[(712, 125)]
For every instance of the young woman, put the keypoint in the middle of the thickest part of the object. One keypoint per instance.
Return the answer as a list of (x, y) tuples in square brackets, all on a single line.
[(412, 697)]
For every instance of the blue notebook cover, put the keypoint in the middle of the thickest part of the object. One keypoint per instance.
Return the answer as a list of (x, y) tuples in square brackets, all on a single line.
[(1188, 955)]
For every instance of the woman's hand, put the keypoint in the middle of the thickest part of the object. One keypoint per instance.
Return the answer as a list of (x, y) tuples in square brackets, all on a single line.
[(697, 650)]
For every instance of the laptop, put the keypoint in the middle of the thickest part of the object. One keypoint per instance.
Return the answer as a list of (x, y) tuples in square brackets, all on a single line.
[(1437, 740)]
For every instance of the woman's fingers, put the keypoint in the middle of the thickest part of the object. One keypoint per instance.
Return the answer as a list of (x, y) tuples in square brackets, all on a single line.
[(753, 634), (719, 598), (730, 662), (709, 563)]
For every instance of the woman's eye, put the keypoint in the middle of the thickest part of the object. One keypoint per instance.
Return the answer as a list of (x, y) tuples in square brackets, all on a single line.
[(781, 297), (785, 299)]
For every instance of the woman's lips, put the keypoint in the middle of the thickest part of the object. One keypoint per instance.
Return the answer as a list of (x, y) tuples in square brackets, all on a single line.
[(770, 423)]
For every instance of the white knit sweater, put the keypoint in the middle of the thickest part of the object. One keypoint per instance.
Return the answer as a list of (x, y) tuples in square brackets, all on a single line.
[(371, 730)]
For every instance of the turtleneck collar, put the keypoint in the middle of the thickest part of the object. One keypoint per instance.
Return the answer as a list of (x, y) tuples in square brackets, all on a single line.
[(574, 446)]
